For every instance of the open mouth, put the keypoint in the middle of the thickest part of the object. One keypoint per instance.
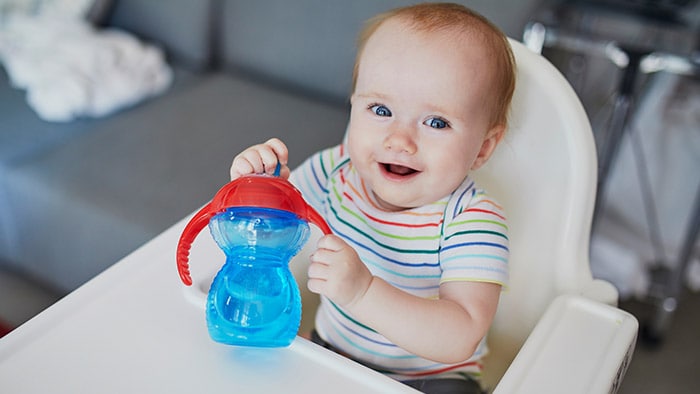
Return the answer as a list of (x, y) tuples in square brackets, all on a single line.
[(398, 170)]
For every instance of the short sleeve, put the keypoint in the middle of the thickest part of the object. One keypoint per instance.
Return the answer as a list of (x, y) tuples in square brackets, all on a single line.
[(475, 243)]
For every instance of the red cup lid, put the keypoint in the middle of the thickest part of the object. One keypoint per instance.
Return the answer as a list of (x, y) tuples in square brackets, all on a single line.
[(262, 191)]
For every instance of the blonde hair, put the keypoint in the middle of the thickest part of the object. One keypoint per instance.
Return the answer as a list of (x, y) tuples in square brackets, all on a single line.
[(432, 17)]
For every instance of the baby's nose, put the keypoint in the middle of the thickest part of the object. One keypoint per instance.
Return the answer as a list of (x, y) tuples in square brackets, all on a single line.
[(400, 141)]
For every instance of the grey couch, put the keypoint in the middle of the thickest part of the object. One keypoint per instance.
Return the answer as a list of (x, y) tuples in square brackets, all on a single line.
[(76, 197)]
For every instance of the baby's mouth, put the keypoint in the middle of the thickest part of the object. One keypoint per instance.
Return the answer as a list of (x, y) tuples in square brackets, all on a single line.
[(397, 169)]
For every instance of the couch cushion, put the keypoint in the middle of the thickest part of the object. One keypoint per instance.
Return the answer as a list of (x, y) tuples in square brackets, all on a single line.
[(310, 44), (182, 27), (78, 208), (23, 133)]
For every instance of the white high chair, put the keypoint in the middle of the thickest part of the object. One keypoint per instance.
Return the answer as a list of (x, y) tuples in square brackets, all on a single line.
[(544, 174), (556, 330)]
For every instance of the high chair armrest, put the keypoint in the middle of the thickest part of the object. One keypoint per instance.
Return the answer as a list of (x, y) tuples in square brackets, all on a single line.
[(602, 291), (578, 346)]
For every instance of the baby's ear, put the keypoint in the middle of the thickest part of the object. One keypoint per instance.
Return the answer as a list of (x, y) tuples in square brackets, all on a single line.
[(491, 140)]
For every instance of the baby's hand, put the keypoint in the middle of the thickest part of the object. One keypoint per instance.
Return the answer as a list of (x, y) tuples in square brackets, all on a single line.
[(261, 159), (337, 272)]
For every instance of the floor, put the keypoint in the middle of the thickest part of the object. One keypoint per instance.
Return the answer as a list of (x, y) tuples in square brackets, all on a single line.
[(670, 367), (21, 299)]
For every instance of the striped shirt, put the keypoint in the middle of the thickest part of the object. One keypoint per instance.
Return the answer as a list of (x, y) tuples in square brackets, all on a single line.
[(462, 237)]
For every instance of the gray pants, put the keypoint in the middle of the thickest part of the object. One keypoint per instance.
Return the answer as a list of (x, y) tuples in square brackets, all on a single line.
[(445, 386), (428, 386)]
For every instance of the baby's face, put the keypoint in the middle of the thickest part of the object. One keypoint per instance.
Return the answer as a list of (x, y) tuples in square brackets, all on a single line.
[(419, 121)]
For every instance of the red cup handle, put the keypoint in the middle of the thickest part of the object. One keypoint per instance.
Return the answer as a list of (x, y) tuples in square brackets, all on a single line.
[(192, 229), (312, 216)]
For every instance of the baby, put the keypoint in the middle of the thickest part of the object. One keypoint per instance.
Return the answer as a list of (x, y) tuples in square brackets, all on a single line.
[(411, 277)]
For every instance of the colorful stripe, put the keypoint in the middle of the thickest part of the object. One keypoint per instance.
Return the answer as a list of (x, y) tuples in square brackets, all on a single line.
[(463, 237)]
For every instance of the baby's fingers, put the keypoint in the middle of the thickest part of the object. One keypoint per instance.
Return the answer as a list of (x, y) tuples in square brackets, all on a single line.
[(277, 155), (331, 242), (279, 149), (317, 276), (318, 270), (261, 159), (247, 162)]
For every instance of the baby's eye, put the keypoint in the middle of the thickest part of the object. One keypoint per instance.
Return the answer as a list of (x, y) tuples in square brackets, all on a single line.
[(380, 110), (436, 123)]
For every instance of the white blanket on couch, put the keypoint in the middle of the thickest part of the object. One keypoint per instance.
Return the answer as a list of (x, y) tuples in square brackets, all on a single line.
[(71, 70)]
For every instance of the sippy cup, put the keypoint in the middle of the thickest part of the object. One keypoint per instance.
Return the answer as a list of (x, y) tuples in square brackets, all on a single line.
[(260, 222)]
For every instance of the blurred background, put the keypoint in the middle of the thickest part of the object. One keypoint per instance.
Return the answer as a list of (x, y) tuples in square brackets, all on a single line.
[(636, 67)]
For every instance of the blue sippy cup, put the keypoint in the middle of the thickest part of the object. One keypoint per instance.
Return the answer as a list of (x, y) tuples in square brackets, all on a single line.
[(260, 222)]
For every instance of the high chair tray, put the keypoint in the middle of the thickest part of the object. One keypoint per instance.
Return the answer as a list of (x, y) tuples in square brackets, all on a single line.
[(579, 346), (132, 330)]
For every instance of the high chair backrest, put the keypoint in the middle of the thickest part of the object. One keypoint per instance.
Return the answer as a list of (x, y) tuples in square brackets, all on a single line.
[(544, 174)]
